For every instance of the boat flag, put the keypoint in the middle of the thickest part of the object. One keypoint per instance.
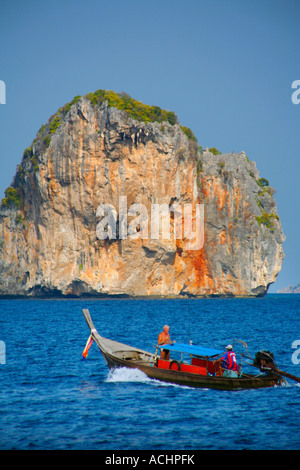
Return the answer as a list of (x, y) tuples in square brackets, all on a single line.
[(87, 347)]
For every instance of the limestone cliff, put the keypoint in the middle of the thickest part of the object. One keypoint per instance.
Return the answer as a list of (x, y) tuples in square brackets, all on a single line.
[(94, 151)]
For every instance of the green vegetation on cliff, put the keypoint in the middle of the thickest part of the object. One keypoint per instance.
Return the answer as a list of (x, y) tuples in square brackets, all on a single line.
[(12, 198), (267, 220), (214, 151), (136, 109), (189, 133)]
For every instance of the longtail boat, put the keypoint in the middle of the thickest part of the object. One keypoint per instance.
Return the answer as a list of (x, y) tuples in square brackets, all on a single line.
[(201, 371)]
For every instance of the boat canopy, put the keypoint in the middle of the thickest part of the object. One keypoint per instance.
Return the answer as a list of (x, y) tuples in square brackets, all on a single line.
[(191, 349)]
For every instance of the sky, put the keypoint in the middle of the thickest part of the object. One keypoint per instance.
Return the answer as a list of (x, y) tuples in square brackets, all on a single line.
[(225, 67)]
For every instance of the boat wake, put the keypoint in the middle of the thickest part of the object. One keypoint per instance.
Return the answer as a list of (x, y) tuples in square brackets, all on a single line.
[(124, 374)]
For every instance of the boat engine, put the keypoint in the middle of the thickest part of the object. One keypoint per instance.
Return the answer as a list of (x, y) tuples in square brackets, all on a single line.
[(264, 360)]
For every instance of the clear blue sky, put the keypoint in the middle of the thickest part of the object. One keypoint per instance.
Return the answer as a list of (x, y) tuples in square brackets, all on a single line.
[(225, 67)]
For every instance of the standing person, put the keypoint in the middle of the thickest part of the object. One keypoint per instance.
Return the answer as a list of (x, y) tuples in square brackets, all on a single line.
[(164, 338), (229, 363)]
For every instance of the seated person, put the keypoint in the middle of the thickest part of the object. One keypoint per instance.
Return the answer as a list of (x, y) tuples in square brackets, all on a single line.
[(229, 363)]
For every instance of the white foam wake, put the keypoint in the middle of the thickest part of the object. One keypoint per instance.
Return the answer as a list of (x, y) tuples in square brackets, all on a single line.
[(124, 374)]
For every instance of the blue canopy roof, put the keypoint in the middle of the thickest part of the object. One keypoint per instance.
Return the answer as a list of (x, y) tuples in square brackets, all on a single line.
[(191, 349)]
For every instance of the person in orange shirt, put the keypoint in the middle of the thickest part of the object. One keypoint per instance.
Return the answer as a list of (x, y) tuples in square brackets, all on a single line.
[(164, 338)]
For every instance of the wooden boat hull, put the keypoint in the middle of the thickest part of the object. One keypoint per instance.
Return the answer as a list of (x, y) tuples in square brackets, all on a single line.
[(119, 355), (195, 380)]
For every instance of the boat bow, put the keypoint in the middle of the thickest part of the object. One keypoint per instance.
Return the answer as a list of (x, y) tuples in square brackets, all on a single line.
[(114, 349)]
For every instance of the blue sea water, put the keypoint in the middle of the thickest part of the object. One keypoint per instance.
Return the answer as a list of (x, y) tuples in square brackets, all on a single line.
[(50, 398)]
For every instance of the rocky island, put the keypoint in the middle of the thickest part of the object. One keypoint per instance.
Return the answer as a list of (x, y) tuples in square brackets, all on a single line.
[(290, 289), (106, 152)]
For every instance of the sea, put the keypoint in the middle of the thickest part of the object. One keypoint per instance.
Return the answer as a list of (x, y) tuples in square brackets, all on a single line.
[(53, 399)]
